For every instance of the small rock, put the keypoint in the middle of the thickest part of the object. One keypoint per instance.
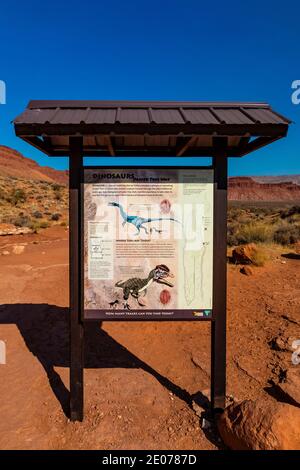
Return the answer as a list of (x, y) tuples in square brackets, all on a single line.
[(246, 270), (206, 393), (197, 409), (260, 425), (291, 385), (10, 229), (279, 344), (205, 424), (18, 249), (244, 254), (5, 252)]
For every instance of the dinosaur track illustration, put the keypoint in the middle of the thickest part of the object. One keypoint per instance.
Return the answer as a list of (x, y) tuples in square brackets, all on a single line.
[(138, 221), (137, 286)]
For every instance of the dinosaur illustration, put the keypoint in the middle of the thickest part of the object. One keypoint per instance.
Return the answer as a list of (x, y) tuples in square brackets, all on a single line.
[(138, 221), (136, 286)]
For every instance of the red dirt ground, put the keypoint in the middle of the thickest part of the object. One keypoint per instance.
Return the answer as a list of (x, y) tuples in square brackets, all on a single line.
[(143, 381)]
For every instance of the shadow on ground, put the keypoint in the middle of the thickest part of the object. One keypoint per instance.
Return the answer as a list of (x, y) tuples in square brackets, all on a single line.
[(291, 255), (45, 329), (280, 395)]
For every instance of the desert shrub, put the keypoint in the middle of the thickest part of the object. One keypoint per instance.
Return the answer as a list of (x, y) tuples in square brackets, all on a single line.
[(246, 219), (232, 234), (44, 224), (234, 213), (21, 221), (286, 234), (259, 257), (18, 195), (34, 225), (58, 195), (295, 210), (55, 216), (254, 233), (37, 215), (294, 219), (265, 211), (2, 193), (56, 187)]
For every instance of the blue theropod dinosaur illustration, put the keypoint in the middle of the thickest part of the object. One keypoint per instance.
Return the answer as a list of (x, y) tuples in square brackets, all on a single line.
[(138, 221)]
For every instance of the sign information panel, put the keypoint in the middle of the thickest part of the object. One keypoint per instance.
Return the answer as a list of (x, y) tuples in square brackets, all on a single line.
[(148, 243)]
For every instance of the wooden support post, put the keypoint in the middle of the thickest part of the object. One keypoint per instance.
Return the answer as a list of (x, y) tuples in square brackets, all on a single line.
[(218, 324), (76, 325)]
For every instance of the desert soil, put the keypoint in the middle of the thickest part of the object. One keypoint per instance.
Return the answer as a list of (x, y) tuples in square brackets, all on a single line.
[(145, 383)]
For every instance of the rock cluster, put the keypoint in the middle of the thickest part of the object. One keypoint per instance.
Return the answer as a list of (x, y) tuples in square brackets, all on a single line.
[(257, 425), (10, 229)]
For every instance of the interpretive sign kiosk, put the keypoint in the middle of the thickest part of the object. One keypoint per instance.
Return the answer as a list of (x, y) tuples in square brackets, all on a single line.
[(148, 242)]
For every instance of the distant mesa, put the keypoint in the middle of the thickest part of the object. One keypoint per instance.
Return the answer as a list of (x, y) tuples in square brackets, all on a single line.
[(268, 188), (240, 188)]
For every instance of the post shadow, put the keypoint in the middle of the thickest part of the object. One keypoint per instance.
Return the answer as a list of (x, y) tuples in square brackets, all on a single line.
[(45, 330)]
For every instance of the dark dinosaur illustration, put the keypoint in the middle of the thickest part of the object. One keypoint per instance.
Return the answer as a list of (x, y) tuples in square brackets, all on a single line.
[(137, 286), (138, 221)]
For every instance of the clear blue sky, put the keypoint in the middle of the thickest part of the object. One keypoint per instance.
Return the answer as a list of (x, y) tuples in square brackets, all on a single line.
[(165, 50)]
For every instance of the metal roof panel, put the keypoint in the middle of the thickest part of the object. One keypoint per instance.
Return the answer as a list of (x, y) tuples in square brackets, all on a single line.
[(167, 116), (101, 116), (265, 116), (133, 116), (35, 116), (232, 116), (67, 116), (199, 116)]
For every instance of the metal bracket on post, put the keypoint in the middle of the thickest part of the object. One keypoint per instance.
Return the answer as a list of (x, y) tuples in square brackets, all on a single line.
[(76, 325), (218, 324)]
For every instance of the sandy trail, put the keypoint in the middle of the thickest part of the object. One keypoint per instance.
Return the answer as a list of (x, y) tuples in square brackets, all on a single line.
[(140, 378)]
